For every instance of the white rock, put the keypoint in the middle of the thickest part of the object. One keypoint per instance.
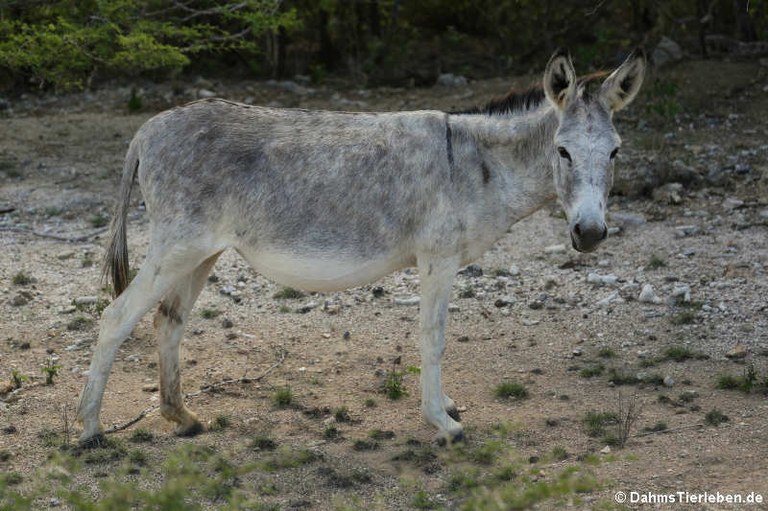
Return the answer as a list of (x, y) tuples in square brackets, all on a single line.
[(205, 93), (648, 295), (606, 450), (555, 249), (669, 381), (602, 280), (732, 203), (410, 300), (681, 294), (451, 80), (86, 300), (610, 299)]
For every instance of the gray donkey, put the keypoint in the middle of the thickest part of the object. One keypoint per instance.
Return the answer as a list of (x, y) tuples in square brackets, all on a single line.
[(324, 201)]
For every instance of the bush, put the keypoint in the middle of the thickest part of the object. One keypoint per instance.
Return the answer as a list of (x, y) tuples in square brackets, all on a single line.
[(65, 43)]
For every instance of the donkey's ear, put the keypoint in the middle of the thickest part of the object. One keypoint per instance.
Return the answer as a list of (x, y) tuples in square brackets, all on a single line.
[(621, 87), (560, 79)]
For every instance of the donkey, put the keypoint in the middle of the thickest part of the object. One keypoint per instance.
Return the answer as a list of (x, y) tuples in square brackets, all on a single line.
[(324, 201)]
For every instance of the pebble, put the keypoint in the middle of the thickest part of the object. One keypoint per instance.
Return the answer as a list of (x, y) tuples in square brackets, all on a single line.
[(738, 352), (555, 249), (86, 300), (505, 301), (610, 299), (606, 450), (669, 381), (731, 203), (451, 80), (648, 295), (602, 280), (205, 93), (514, 270), (227, 290), (682, 231), (19, 300), (681, 294), (410, 300), (150, 387)]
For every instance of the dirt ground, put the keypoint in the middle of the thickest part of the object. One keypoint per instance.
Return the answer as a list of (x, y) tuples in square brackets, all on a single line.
[(530, 312)]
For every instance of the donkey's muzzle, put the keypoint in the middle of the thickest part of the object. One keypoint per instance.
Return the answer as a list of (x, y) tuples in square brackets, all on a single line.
[(586, 238)]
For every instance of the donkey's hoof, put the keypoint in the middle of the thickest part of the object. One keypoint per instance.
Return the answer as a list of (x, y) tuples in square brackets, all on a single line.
[(192, 429), (453, 413), (93, 441), (450, 437)]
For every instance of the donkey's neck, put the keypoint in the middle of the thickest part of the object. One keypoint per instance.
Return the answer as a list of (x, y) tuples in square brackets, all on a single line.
[(515, 149)]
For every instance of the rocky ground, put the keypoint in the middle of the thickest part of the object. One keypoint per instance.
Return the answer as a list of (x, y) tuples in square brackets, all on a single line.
[(645, 331)]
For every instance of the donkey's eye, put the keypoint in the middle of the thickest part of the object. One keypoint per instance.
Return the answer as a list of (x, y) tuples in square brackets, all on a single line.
[(614, 153), (563, 153)]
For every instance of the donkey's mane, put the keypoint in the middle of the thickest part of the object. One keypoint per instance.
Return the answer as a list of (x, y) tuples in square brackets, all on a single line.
[(518, 101)]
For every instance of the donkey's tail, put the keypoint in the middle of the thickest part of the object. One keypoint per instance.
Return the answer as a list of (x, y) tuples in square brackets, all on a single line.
[(115, 269)]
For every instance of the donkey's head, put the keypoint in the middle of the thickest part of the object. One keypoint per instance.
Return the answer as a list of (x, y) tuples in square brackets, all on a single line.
[(586, 141)]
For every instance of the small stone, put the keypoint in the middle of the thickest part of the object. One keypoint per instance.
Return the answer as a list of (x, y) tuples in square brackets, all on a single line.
[(227, 323), (227, 290), (69, 309), (19, 300), (451, 80), (577, 352), (514, 270), (332, 308), (681, 294), (150, 387), (347, 335), (410, 300), (602, 280), (648, 295), (555, 249), (682, 231), (738, 352), (473, 270), (669, 381), (606, 450), (133, 358), (505, 301), (205, 93), (732, 203), (86, 300), (610, 299)]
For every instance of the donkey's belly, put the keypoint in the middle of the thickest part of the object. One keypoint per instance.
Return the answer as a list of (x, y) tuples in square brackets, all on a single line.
[(322, 272)]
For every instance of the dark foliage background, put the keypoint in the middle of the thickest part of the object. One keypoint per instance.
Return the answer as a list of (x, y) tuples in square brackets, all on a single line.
[(65, 44)]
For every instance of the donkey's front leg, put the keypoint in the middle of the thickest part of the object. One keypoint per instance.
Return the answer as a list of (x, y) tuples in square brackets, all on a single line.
[(437, 276)]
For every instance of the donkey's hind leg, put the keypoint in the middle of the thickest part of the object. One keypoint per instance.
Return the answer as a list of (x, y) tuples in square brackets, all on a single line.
[(169, 324), (159, 272)]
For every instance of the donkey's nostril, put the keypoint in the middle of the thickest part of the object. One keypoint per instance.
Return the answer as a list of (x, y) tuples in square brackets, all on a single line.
[(577, 230)]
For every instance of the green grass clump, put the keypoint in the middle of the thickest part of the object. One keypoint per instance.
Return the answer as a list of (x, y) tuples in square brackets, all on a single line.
[(681, 354), (393, 386), (746, 383), (282, 397), (99, 220), (595, 423), (655, 263), (715, 417), (210, 313), (619, 377), (511, 390), (22, 279), (592, 371), (656, 428), (288, 293), (606, 353), (141, 436), (685, 317)]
